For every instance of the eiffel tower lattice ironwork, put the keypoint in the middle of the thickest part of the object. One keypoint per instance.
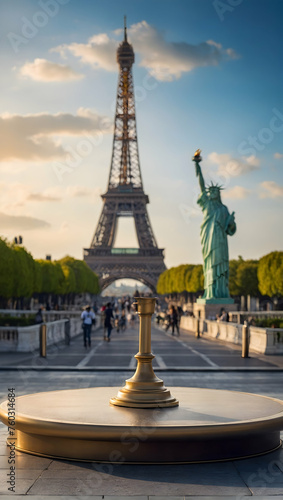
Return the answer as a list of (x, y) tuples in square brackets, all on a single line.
[(125, 196)]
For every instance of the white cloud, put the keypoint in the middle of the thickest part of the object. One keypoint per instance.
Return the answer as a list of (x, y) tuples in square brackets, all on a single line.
[(278, 156), (164, 60), (32, 137), (81, 192), (232, 167), (42, 197), (252, 160), (59, 193), (15, 196), (42, 70), (98, 52), (21, 222), (269, 189), (236, 193)]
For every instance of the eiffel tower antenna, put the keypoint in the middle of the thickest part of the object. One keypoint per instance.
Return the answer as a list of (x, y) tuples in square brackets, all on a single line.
[(125, 196), (125, 29), (125, 164)]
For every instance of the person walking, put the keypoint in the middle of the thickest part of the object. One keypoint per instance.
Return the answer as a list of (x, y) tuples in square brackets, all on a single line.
[(88, 317), (122, 321), (102, 320), (38, 317), (173, 321), (108, 320), (117, 319)]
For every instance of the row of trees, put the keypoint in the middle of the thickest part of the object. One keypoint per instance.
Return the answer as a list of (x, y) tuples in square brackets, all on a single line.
[(22, 276), (247, 277), (183, 278)]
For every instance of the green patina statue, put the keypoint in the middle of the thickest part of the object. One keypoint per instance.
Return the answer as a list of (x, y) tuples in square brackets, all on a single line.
[(217, 224)]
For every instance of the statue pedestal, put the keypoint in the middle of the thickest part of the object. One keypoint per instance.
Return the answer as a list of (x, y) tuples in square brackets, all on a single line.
[(209, 308)]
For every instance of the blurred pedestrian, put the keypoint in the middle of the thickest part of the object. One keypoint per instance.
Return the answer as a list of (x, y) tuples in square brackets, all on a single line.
[(173, 320), (109, 319), (133, 316), (102, 319), (88, 317), (116, 316), (122, 321), (38, 317), (223, 315)]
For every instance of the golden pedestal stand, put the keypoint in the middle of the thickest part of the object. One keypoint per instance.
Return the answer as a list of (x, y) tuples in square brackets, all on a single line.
[(144, 389), (143, 423)]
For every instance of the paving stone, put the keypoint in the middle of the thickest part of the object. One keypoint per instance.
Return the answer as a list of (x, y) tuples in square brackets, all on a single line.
[(231, 360), (69, 465), (158, 497), (184, 360), (106, 360), (276, 493), (77, 487), (115, 497), (109, 485), (72, 473), (21, 488), (54, 497), (265, 479), (246, 496), (267, 461), (225, 497), (24, 461)]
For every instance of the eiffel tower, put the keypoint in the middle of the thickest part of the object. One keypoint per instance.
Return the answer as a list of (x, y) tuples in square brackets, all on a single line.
[(125, 196)]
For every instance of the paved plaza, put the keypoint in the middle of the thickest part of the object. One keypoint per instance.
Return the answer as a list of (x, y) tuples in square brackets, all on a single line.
[(183, 352), (182, 361)]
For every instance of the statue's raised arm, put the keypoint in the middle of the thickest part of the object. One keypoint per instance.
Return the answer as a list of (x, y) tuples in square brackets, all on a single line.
[(197, 159)]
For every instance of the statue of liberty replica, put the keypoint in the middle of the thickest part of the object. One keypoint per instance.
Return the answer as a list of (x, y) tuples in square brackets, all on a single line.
[(217, 224)]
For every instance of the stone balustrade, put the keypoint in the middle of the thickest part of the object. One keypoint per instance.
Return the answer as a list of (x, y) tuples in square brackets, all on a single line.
[(241, 316), (27, 338), (262, 340)]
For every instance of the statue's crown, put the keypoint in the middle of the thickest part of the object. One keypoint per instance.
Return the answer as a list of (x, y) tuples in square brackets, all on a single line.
[(214, 186)]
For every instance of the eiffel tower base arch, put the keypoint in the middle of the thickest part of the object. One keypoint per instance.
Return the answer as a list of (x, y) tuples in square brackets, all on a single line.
[(117, 265)]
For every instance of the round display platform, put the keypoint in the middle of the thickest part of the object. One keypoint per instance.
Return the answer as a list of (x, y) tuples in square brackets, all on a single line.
[(208, 425)]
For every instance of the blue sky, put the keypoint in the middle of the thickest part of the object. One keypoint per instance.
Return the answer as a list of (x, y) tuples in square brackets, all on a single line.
[(208, 74)]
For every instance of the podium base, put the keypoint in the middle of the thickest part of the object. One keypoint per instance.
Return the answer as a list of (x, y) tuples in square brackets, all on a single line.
[(209, 425)]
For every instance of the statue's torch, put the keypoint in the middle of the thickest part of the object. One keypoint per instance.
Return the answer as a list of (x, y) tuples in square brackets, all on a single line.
[(197, 159)]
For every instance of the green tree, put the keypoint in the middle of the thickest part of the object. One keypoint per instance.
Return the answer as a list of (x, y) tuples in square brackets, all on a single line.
[(24, 272), (79, 271), (180, 277), (7, 273), (60, 279), (167, 283), (234, 288), (270, 274), (247, 279), (196, 282), (161, 284), (37, 277), (188, 275), (49, 276), (86, 280), (70, 280)]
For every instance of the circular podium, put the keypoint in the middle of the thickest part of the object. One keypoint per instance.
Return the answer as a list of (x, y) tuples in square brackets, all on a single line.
[(208, 425), (143, 422)]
